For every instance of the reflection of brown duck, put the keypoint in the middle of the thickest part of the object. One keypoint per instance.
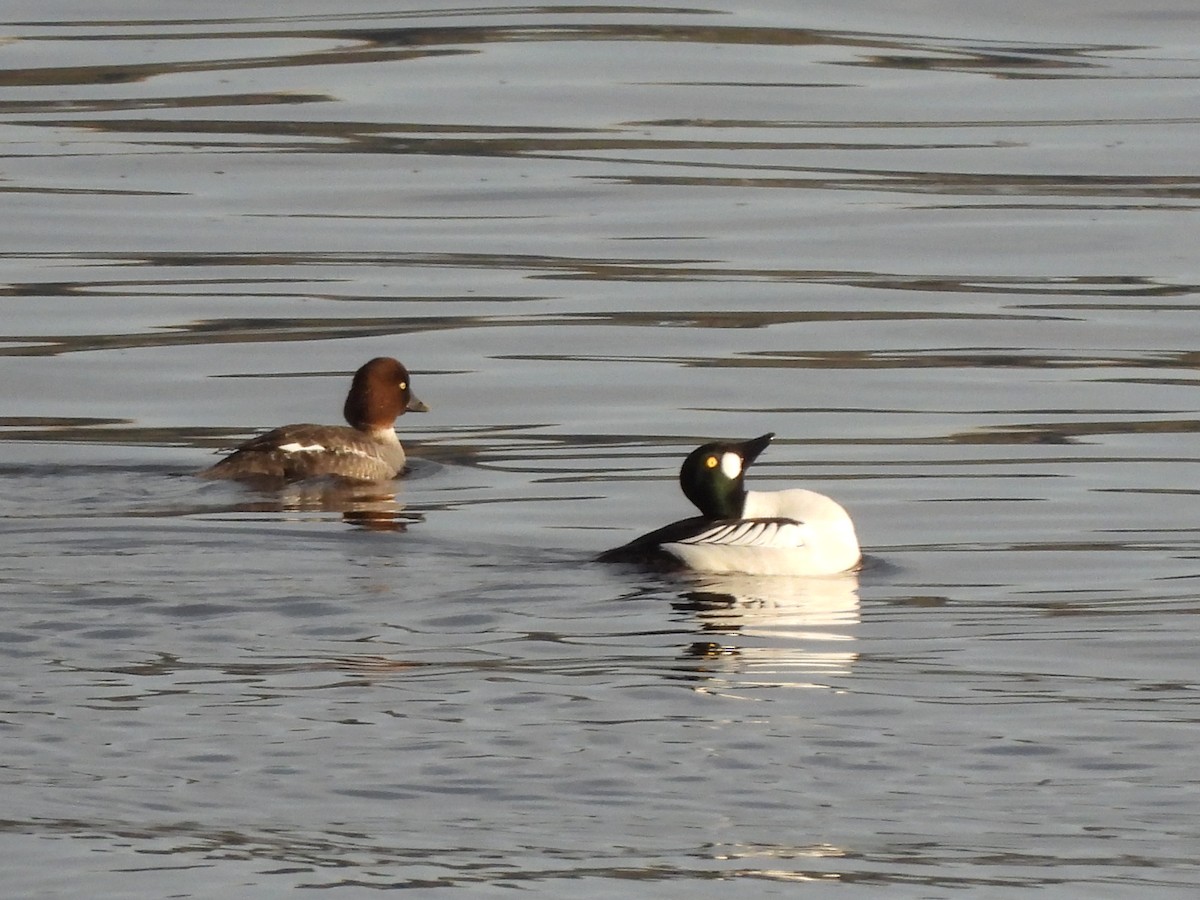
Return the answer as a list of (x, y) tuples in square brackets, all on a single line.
[(371, 507), (793, 532), (368, 450)]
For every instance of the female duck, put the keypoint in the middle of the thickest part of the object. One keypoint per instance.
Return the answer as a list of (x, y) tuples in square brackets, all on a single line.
[(794, 532), (366, 451)]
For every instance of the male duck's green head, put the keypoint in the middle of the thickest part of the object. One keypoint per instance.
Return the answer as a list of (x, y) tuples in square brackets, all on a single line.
[(712, 475)]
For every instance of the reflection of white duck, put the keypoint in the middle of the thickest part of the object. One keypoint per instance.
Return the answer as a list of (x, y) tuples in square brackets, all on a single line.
[(793, 607), (775, 630), (793, 532)]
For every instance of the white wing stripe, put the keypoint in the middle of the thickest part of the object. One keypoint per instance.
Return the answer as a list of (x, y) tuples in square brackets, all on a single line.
[(739, 532), (750, 533), (297, 447)]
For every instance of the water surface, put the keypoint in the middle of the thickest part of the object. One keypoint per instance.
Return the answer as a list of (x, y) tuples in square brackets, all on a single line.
[(946, 253)]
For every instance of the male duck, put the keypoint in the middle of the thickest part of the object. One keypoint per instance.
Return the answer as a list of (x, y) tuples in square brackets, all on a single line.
[(366, 451), (794, 532)]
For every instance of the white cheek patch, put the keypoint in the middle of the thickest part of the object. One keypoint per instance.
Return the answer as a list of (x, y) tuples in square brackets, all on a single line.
[(297, 447), (731, 465)]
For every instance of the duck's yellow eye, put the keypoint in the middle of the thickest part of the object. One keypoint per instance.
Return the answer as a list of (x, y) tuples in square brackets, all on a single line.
[(711, 462), (404, 385)]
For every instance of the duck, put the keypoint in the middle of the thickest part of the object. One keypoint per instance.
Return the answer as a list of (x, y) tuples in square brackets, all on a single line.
[(366, 451), (794, 532)]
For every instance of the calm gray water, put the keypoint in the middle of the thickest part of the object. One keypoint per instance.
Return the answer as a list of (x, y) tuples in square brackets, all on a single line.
[(946, 252)]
